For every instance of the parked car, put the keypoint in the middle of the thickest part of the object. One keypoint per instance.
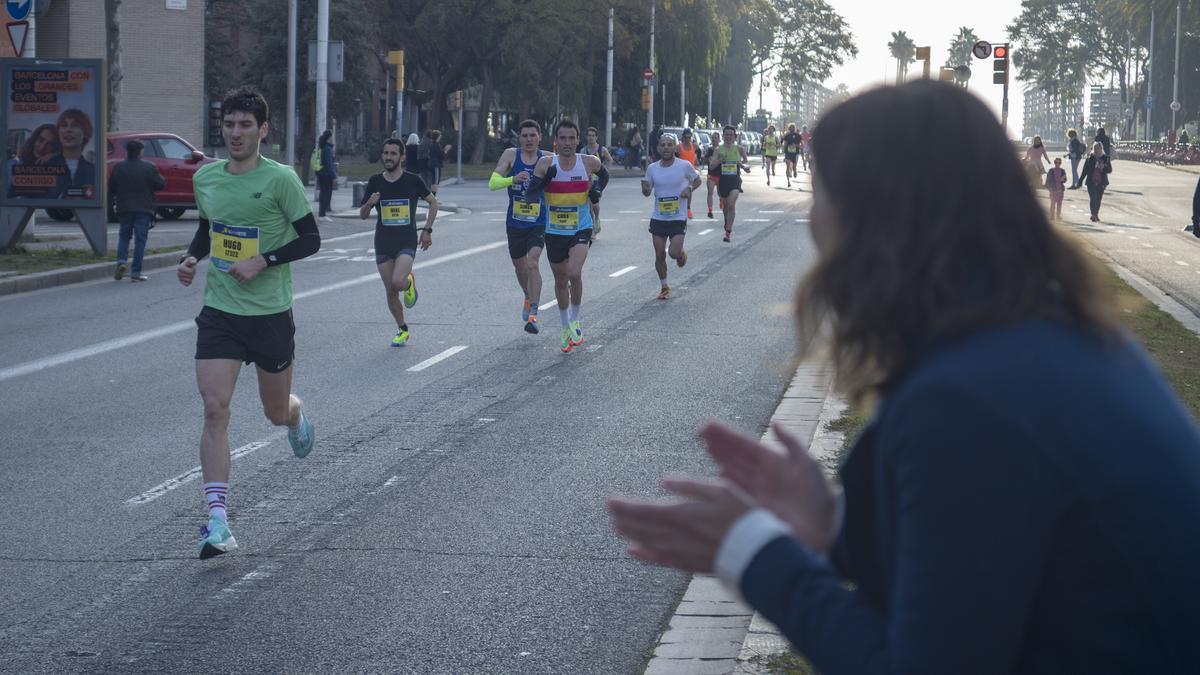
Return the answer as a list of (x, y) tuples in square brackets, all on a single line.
[(177, 161)]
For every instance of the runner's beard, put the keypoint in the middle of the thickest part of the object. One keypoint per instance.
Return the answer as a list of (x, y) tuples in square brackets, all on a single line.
[(390, 166)]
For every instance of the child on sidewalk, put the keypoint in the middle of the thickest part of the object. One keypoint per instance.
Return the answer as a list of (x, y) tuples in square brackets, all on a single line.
[(1056, 180)]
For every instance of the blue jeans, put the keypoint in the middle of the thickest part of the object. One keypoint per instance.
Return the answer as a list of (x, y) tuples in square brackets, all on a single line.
[(1074, 171), (136, 225)]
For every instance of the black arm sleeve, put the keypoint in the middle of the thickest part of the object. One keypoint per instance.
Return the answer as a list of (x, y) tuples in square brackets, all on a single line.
[(308, 243), (602, 178), (201, 244), (538, 185)]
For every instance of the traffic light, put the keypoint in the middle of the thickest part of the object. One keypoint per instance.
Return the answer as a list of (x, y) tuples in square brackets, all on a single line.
[(1000, 65)]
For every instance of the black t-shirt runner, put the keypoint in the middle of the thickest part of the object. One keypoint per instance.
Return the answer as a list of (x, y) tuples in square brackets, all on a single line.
[(791, 143), (396, 211)]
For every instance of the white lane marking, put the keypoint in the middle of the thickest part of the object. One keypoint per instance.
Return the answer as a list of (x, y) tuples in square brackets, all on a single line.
[(756, 220), (770, 211), (437, 359), (1164, 254), (624, 270), (1148, 245), (635, 211), (547, 305), (704, 232), (802, 220), (188, 476), (138, 338), (391, 481), (495, 213), (346, 236), (1182, 263), (1131, 237)]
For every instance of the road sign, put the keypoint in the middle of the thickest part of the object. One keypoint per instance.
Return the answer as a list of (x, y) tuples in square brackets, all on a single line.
[(17, 31), (1176, 106), (336, 64), (19, 9), (1149, 101), (648, 74), (962, 73), (982, 49)]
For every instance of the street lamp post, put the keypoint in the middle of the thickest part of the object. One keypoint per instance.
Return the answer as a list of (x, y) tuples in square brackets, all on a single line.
[(1175, 88), (650, 65)]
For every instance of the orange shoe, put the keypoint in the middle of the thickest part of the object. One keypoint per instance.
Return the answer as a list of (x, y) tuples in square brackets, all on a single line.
[(664, 293), (682, 259)]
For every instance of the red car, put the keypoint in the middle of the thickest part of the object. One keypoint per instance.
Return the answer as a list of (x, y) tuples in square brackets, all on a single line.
[(174, 158)]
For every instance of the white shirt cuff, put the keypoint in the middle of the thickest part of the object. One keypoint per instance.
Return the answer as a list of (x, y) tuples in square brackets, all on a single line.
[(749, 535)]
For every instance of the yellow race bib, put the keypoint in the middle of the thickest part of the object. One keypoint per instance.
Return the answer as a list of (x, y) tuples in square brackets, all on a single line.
[(668, 206), (232, 244), (528, 213), (394, 212), (566, 218), (729, 168)]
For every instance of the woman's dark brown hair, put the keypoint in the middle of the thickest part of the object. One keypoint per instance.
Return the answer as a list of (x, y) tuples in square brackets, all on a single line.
[(930, 242)]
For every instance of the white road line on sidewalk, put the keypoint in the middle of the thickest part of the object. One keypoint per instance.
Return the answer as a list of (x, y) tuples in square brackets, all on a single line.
[(547, 305), (1148, 245), (624, 270), (704, 232), (188, 476), (437, 359), (1164, 254), (1182, 263), (138, 338)]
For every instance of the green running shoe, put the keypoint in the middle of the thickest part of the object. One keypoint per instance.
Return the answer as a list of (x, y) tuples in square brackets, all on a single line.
[(216, 539), (401, 338), (410, 294), (576, 334), (566, 345), (302, 438)]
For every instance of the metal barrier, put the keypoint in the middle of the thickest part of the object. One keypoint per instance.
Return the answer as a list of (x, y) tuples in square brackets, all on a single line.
[(1157, 152)]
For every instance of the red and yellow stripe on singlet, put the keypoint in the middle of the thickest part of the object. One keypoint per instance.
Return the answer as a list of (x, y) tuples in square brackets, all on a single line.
[(567, 205)]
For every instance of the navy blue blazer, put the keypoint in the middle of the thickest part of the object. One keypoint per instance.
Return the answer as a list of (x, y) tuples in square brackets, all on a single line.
[(1026, 500)]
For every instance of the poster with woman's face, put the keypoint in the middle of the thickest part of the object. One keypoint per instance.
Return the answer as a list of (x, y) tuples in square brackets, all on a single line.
[(54, 134)]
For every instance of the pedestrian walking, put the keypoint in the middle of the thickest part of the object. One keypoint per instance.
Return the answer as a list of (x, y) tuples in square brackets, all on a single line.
[(1035, 154), (633, 148), (1075, 152), (1095, 176), (132, 184), (326, 175), (1184, 139), (992, 517), (412, 150), (652, 145), (1056, 181), (1195, 228), (1103, 139), (432, 157)]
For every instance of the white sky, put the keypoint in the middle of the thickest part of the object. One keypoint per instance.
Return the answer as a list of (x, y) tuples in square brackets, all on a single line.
[(927, 22)]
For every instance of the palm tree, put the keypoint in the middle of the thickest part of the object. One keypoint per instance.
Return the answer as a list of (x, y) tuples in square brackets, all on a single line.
[(904, 50), (960, 47)]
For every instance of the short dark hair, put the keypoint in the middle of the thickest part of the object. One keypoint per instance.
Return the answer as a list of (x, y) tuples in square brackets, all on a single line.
[(325, 135), (435, 135), (396, 142), (564, 122), (729, 127), (246, 99), (530, 123), (593, 130), (134, 147)]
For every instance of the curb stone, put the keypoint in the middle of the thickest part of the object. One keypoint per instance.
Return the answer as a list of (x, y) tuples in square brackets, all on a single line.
[(712, 631)]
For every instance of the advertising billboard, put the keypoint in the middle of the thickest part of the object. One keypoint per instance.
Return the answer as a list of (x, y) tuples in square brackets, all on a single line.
[(53, 119)]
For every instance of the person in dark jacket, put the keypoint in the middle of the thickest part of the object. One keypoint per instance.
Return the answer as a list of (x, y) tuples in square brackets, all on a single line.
[(1095, 176), (412, 152), (132, 184), (432, 158), (1075, 152), (1195, 228), (1103, 139), (1026, 495), (327, 174)]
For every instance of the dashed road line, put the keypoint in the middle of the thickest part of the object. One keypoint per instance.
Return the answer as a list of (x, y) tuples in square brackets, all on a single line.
[(1182, 263), (437, 359), (547, 305), (701, 233), (624, 270), (1164, 254), (190, 475)]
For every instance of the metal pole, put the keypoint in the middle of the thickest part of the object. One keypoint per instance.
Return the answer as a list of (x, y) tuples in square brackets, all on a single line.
[(708, 113), (322, 66), (664, 107), (608, 92), (462, 105), (683, 121), (1004, 108), (1175, 89), (290, 112), (1150, 79), (650, 84), (30, 50)]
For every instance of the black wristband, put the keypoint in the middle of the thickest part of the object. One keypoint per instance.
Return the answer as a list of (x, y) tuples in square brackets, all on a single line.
[(425, 229)]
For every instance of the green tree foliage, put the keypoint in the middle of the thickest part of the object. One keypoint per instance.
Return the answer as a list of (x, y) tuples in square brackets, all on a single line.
[(960, 47), (812, 38), (904, 50)]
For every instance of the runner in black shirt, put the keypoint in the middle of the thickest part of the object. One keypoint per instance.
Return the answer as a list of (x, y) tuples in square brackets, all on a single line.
[(791, 152), (393, 195)]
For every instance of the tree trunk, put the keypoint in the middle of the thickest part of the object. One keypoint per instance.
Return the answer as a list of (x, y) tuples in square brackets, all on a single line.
[(485, 104), (112, 27)]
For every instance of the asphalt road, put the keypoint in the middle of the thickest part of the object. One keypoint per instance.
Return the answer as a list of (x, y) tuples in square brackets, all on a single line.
[(450, 519)]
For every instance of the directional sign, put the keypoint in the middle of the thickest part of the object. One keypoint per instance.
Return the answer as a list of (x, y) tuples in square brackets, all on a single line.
[(19, 9), (17, 31), (982, 49), (1149, 101), (1176, 106), (648, 74)]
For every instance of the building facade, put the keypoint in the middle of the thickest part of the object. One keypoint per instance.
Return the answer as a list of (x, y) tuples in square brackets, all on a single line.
[(802, 105), (162, 58), (1049, 116), (1105, 109)]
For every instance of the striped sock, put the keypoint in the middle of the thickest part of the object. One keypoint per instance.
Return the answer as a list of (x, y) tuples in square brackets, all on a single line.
[(214, 495)]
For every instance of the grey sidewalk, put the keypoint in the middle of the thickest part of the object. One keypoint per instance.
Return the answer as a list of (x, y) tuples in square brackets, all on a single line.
[(712, 631)]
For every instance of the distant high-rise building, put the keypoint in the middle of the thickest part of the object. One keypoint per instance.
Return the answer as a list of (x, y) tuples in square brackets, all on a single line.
[(1106, 109), (1049, 116), (804, 104)]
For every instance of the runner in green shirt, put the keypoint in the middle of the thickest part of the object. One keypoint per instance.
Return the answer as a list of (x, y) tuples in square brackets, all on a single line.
[(254, 220)]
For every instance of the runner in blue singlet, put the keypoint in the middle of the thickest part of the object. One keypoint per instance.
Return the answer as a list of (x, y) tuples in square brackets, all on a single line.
[(525, 222)]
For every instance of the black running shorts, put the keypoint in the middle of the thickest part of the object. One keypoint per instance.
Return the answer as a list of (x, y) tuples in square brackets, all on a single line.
[(667, 228), (267, 341), (558, 246), (522, 240), (728, 184)]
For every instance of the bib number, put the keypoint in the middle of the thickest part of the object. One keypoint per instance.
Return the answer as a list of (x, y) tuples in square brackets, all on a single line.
[(729, 168), (394, 212), (668, 206), (527, 213), (231, 245), (564, 218)]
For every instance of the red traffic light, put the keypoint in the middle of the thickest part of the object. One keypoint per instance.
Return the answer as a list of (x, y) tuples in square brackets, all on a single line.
[(1000, 52)]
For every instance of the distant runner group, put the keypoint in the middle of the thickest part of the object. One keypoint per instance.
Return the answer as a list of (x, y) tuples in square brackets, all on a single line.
[(255, 220)]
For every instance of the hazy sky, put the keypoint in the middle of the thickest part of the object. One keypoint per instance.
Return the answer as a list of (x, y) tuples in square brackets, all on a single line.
[(927, 22)]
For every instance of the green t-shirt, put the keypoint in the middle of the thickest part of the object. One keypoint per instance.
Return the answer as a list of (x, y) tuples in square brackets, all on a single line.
[(249, 214)]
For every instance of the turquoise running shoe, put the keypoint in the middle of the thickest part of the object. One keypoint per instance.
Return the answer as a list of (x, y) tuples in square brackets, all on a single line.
[(216, 539), (576, 334), (302, 437)]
